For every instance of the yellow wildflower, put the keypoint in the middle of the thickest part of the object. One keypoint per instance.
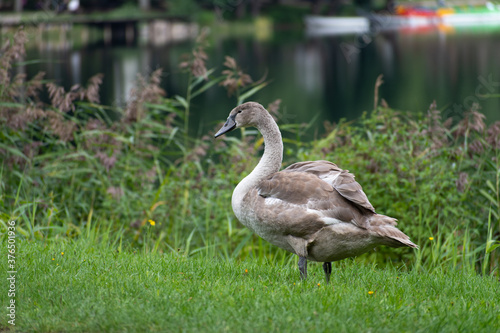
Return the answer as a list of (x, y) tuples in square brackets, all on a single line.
[(152, 222), (370, 292), (319, 284), (53, 259), (62, 253), (431, 238)]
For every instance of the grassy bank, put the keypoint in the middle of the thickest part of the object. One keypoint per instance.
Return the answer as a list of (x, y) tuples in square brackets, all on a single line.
[(123, 218), (84, 286)]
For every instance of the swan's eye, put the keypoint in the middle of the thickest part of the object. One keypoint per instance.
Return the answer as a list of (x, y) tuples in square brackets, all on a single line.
[(240, 111)]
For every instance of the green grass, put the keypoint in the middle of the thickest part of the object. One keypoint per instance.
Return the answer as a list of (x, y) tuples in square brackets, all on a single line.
[(95, 288)]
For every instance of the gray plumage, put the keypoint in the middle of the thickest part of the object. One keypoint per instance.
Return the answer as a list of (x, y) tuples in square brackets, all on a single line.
[(313, 209)]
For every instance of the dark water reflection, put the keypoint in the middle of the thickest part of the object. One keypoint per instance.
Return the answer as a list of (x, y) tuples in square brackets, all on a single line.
[(328, 77)]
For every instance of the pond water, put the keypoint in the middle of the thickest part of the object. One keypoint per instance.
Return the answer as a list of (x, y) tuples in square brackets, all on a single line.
[(321, 78)]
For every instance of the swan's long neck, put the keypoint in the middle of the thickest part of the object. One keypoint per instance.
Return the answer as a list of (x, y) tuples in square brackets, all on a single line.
[(268, 164)]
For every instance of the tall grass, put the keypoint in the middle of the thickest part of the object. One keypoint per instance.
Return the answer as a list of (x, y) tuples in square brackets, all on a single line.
[(135, 178)]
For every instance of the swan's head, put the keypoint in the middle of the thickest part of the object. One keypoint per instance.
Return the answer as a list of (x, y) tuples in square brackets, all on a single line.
[(245, 115)]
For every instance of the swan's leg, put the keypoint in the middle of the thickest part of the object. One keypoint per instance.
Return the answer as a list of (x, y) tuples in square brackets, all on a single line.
[(327, 267), (303, 267), (299, 246)]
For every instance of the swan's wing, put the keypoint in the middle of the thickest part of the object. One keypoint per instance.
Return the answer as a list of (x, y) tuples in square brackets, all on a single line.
[(309, 196), (296, 188), (301, 201), (296, 203), (341, 180)]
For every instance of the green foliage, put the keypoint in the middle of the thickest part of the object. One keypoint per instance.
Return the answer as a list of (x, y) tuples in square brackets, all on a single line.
[(95, 287), (185, 8), (136, 177), (206, 18), (290, 15), (75, 163)]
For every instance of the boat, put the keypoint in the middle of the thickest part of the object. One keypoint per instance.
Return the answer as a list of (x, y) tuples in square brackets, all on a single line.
[(450, 16), (319, 25), (460, 16), (405, 16)]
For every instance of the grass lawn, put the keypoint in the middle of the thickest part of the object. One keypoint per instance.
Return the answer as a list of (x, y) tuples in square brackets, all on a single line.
[(80, 286)]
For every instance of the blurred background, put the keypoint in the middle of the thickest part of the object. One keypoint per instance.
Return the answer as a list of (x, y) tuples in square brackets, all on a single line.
[(321, 70)]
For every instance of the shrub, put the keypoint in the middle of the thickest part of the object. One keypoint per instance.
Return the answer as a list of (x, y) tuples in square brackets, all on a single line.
[(135, 178)]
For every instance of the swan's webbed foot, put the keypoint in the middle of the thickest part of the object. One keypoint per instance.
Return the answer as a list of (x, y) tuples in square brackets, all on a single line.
[(303, 267), (327, 267)]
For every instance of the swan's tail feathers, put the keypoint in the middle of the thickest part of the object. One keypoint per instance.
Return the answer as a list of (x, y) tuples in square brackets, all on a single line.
[(401, 241), (385, 228)]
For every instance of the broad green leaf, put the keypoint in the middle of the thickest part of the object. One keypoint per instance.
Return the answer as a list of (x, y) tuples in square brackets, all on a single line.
[(491, 245), (14, 151), (182, 100), (490, 185), (251, 92), (11, 105), (489, 197), (200, 79), (206, 86)]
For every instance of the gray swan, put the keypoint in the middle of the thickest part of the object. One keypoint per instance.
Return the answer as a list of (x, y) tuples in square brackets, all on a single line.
[(313, 209)]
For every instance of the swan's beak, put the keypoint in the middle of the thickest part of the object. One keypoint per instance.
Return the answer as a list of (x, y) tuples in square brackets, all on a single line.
[(228, 126)]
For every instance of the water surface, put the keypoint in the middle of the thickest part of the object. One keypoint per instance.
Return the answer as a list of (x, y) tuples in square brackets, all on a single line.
[(322, 78)]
